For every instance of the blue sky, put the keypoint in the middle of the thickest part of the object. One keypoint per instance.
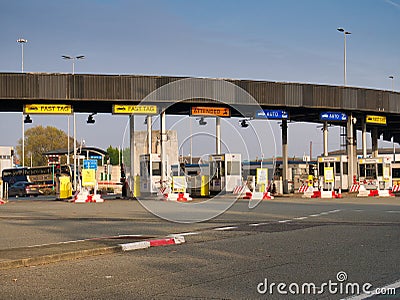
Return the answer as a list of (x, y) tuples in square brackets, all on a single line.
[(282, 40)]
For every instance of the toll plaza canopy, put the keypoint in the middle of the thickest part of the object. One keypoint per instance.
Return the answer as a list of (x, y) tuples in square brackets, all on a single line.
[(97, 93)]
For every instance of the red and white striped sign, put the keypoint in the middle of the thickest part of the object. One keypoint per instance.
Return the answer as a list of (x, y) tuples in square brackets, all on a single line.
[(396, 188), (238, 189), (354, 188), (303, 188)]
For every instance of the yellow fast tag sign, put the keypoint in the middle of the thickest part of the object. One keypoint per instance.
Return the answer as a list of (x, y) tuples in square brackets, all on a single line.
[(211, 111), (328, 174), (48, 109), (135, 109), (376, 119)]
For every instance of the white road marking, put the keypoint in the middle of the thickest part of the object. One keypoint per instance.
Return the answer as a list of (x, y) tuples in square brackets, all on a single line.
[(393, 211), (316, 215), (225, 228), (183, 234), (258, 224), (300, 218), (284, 221)]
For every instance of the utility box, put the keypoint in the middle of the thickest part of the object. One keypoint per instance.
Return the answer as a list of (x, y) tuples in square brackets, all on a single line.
[(65, 187)]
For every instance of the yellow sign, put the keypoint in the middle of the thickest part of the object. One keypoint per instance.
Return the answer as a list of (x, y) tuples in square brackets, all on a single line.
[(47, 109), (88, 177), (376, 119), (178, 184), (135, 109), (328, 175), (211, 111)]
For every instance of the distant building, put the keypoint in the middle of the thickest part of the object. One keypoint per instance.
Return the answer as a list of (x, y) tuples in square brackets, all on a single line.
[(6, 157)]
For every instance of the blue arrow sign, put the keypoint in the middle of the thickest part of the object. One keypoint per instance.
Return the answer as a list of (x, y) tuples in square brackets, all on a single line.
[(271, 114), (90, 164), (333, 116)]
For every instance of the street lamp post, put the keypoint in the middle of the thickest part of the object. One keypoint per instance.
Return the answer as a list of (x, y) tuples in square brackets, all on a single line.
[(344, 59), (73, 58), (22, 41), (391, 78)]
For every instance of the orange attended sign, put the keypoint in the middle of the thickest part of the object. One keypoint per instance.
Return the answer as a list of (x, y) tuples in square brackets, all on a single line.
[(211, 111)]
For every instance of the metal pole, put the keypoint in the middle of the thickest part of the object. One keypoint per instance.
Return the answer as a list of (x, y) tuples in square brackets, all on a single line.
[(149, 135), (163, 148), (23, 141), (218, 135), (325, 138), (191, 141), (68, 148), (285, 169), (364, 138), (22, 57), (132, 155), (75, 170), (345, 79)]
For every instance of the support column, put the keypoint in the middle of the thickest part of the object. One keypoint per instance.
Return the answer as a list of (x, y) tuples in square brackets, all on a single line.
[(163, 138), (218, 135), (131, 178), (325, 129), (364, 138), (351, 149), (149, 137), (374, 137), (285, 169)]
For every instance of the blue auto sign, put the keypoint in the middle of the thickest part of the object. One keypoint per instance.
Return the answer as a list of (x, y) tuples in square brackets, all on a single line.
[(333, 116), (90, 164), (271, 114)]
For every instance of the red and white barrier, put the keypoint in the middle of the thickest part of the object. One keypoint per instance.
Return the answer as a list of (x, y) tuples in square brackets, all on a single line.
[(239, 189), (85, 197), (363, 192), (2, 202), (176, 240), (396, 188), (354, 188), (258, 196), (303, 188), (180, 197)]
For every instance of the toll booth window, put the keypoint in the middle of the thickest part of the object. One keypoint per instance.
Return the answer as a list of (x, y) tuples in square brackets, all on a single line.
[(380, 170), (321, 169), (370, 171), (156, 167), (362, 170), (233, 167), (396, 172), (144, 169), (345, 168), (337, 168)]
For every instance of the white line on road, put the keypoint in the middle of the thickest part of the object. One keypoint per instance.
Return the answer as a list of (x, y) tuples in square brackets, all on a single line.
[(183, 234), (300, 218), (284, 221), (225, 228), (316, 215), (393, 211)]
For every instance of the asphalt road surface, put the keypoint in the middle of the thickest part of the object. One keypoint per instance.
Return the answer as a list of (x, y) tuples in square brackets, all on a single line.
[(287, 248)]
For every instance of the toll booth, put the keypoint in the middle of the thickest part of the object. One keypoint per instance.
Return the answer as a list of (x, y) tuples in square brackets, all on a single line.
[(197, 178), (336, 167), (375, 173), (150, 173), (225, 172)]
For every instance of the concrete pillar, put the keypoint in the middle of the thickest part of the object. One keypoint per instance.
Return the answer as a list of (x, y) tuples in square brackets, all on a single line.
[(364, 138), (285, 166), (218, 135), (163, 138), (351, 149), (374, 137), (325, 129), (132, 154), (149, 137)]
